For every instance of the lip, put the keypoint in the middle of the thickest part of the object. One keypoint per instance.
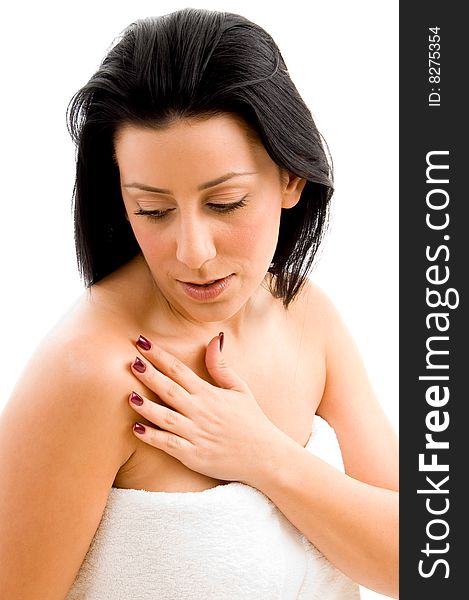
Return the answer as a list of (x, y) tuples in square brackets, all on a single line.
[(202, 292), (203, 282)]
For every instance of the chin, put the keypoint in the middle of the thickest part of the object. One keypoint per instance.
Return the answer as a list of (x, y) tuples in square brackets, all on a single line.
[(214, 312)]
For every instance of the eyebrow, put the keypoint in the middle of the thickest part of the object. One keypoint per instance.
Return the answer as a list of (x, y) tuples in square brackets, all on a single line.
[(202, 186)]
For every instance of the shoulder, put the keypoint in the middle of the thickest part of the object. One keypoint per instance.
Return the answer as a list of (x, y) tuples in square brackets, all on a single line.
[(314, 309), (323, 320), (81, 371), (64, 434)]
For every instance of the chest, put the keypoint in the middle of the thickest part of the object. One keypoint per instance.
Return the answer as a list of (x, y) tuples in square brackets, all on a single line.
[(285, 376), (287, 385)]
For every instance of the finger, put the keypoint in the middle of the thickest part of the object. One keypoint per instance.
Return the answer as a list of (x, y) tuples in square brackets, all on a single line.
[(171, 366), (168, 390), (162, 416), (219, 369), (164, 440)]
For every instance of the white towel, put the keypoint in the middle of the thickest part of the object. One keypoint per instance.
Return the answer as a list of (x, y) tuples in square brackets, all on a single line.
[(229, 542)]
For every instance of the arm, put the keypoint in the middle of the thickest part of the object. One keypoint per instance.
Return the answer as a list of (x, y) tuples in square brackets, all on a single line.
[(64, 434), (352, 518)]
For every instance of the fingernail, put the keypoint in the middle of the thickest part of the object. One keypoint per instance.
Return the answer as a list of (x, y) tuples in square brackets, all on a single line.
[(221, 340), (139, 428), (139, 365), (143, 343), (136, 399)]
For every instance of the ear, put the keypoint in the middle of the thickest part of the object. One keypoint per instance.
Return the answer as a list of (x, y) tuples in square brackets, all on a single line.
[(292, 186)]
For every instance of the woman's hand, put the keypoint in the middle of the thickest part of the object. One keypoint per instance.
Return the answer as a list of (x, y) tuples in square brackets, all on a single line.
[(220, 431)]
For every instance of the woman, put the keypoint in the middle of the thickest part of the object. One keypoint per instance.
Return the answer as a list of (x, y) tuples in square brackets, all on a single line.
[(201, 360)]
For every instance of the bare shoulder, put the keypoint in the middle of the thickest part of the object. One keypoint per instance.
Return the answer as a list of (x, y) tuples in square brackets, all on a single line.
[(349, 404), (315, 310), (64, 434), (83, 365)]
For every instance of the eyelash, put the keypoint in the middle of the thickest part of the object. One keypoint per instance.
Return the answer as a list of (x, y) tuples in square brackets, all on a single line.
[(158, 215)]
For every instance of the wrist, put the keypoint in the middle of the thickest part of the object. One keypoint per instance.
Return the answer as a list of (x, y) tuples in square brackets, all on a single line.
[(274, 456)]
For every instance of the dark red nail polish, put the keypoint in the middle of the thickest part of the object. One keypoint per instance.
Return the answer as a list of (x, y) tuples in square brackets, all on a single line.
[(143, 343), (139, 365), (139, 428), (136, 399), (221, 340)]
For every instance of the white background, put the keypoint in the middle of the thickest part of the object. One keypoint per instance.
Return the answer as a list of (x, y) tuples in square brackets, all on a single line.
[(343, 58)]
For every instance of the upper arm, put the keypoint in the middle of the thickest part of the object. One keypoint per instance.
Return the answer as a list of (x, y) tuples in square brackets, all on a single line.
[(63, 437), (367, 440)]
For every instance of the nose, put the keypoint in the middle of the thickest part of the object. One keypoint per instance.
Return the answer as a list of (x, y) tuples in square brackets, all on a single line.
[(195, 242)]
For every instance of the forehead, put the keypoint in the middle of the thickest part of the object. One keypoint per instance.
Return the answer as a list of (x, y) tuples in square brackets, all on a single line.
[(202, 147), (187, 132)]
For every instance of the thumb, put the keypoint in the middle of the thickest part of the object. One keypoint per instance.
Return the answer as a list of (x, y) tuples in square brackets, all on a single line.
[(219, 369)]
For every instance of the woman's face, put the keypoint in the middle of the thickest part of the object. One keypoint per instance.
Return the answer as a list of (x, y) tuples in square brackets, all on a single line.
[(204, 202)]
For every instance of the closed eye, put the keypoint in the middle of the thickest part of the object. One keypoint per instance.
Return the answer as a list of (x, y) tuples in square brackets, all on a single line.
[(226, 208), (157, 215)]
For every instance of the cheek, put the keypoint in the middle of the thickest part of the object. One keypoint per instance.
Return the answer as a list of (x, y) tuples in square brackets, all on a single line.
[(258, 237), (151, 243)]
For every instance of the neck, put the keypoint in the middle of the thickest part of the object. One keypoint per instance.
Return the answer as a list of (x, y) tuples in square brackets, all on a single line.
[(171, 321), (168, 320)]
